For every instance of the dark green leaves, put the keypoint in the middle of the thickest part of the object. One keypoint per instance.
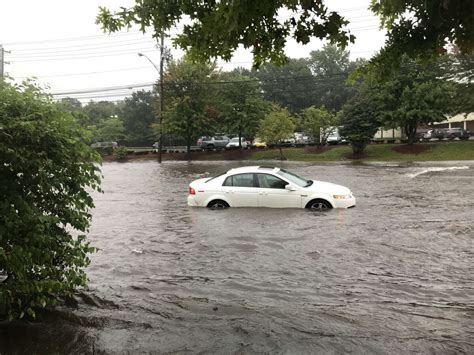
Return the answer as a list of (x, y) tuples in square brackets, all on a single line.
[(217, 28), (46, 169)]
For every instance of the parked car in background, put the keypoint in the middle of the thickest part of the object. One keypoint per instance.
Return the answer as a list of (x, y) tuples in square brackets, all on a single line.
[(426, 136), (456, 132), (234, 143), (211, 143), (255, 186), (446, 133), (258, 143), (105, 148), (112, 145), (289, 142), (335, 138)]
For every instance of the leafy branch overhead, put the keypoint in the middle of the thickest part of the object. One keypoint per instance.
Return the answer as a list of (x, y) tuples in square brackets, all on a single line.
[(214, 29), (422, 29)]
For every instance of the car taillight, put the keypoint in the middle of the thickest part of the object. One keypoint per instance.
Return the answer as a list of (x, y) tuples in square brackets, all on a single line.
[(192, 191)]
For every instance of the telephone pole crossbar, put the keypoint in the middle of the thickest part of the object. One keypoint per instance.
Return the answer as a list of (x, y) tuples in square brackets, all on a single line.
[(2, 61)]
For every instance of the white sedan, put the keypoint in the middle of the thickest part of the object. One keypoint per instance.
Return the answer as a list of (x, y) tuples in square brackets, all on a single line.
[(234, 143), (255, 186)]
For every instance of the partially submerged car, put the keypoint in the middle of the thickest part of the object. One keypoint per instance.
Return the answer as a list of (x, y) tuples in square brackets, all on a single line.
[(255, 186)]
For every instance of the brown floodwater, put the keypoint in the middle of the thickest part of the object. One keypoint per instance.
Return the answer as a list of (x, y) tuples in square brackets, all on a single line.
[(393, 275)]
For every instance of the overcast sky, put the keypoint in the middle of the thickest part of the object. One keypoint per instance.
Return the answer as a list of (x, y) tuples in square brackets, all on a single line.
[(58, 42)]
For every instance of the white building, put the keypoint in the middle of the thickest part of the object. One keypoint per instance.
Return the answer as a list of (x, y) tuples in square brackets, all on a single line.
[(462, 121)]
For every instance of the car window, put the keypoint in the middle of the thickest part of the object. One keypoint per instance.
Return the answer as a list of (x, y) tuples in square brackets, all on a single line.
[(270, 182), (240, 180), (228, 181)]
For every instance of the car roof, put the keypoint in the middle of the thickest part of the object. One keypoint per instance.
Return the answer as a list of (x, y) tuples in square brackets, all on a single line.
[(253, 169)]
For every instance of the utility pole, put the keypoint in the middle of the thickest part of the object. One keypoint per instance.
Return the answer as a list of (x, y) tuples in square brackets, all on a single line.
[(2, 61), (163, 55), (162, 59)]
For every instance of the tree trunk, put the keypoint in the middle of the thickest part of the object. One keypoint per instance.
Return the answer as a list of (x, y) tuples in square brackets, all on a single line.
[(188, 149), (410, 130), (240, 137), (281, 152), (358, 147)]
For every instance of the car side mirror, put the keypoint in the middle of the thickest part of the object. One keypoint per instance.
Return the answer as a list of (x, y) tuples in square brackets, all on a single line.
[(290, 187)]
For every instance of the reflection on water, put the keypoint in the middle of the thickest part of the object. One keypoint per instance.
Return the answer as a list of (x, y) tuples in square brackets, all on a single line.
[(392, 275)]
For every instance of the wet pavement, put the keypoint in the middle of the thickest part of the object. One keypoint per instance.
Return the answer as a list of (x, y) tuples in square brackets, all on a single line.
[(393, 275)]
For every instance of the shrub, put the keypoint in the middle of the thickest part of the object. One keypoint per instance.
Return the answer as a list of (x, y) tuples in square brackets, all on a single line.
[(46, 168), (121, 153)]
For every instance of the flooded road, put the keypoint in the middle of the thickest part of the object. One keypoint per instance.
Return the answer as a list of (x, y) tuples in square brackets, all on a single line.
[(393, 275)]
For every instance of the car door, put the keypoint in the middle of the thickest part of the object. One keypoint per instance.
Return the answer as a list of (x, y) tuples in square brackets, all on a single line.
[(272, 193), (241, 190)]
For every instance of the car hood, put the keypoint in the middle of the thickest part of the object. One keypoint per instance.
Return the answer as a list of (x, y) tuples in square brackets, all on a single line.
[(328, 187)]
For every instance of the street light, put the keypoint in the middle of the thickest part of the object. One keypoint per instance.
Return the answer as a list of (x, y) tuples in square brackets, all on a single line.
[(152, 63), (160, 73)]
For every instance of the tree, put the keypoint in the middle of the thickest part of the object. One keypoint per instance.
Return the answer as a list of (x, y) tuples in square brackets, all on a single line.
[(241, 107), (46, 173), (292, 86), (317, 122), (138, 116), (190, 110), (419, 25), (101, 111), (217, 28), (361, 117), (276, 127), (331, 67), (70, 104), (422, 29), (458, 69), (415, 96), (111, 130)]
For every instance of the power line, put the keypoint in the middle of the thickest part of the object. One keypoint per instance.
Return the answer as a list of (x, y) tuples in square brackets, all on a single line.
[(79, 38), (86, 73), (224, 82), (111, 88), (79, 57), (84, 45), (93, 47), (147, 67)]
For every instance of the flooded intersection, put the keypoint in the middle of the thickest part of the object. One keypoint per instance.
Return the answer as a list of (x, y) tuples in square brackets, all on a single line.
[(392, 275)]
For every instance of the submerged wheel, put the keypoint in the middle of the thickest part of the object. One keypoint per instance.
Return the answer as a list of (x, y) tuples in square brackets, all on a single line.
[(319, 204), (217, 205)]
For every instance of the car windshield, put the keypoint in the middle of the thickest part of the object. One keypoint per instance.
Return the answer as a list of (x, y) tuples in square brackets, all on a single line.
[(295, 178)]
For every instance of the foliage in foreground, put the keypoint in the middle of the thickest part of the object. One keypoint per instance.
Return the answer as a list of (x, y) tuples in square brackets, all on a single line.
[(219, 27), (45, 171), (417, 28)]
